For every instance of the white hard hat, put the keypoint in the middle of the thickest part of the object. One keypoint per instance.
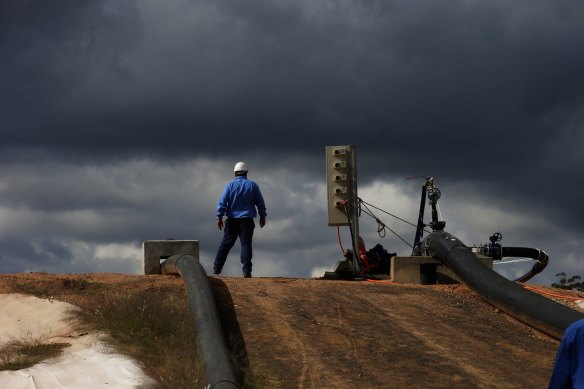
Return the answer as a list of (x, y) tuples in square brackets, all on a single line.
[(240, 167)]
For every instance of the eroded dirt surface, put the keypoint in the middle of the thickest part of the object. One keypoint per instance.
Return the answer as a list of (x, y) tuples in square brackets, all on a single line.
[(325, 334), (308, 333)]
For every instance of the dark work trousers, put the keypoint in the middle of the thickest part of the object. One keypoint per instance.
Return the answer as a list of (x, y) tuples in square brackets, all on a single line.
[(234, 228)]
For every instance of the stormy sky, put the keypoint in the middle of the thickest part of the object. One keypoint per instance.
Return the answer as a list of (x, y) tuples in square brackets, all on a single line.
[(120, 121)]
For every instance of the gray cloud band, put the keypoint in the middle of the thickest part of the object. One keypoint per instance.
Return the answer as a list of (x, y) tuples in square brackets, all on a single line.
[(477, 95)]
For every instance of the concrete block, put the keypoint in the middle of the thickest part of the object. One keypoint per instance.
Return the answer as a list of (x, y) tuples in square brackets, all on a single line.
[(424, 270), (409, 269), (155, 250)]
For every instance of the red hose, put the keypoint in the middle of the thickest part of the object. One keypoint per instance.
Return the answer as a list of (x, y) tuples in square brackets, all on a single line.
[(552, 294), (339, 236)]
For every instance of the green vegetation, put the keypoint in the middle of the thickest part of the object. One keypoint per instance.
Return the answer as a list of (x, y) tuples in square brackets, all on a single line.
[(571, 283), (20, 354), (48, 291), (152, 328), (32, 289)]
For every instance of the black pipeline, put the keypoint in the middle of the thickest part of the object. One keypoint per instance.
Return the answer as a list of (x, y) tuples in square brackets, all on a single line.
[(526, 252), (210, 341), (539, 312)]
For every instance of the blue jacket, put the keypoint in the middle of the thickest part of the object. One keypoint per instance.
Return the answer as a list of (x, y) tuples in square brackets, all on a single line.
[(569, 367), (240, 199)]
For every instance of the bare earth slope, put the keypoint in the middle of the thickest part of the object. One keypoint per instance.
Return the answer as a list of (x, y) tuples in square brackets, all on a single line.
[(308, 333), (325, 334)]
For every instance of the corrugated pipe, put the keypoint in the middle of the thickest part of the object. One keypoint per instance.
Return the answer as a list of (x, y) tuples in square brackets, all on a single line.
[(534, 310), (213, 352)]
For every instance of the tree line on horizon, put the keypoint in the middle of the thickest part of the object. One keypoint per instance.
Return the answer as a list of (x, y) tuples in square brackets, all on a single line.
[(571, 283)]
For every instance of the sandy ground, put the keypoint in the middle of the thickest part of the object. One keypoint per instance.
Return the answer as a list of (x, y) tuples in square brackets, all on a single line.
[(309, 333), (86, 363)]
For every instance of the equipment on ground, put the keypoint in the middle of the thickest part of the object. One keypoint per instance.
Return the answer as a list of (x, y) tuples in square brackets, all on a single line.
[(345, 208), (439, 250), (341, 173)]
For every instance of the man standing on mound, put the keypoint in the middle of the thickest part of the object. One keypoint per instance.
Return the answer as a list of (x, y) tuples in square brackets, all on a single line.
[(238, 202)]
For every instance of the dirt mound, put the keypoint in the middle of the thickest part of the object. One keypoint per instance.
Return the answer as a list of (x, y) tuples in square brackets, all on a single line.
[(308, 333)]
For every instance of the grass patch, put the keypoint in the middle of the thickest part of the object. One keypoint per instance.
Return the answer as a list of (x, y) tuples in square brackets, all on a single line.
[(20, 354), (54, 287), (32, 288), (153, 328), (265, 381)]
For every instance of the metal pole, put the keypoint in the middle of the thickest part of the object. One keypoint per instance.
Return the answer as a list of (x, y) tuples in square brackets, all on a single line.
[(420, 228), (354, 206)]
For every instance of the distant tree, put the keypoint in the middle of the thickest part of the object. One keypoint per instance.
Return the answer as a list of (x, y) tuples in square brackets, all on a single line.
[(572, 283), (561, 280)]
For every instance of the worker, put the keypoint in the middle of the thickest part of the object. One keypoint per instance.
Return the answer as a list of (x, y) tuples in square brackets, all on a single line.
[(569, 366), (238, 202)]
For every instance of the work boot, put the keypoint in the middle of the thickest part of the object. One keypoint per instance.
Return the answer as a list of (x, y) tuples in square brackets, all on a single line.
[(248, 275)]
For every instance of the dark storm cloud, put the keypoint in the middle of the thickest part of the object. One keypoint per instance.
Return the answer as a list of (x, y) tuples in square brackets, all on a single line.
[(62, 217), (47, 49), (18, 255), (111, 75), (486, 96)]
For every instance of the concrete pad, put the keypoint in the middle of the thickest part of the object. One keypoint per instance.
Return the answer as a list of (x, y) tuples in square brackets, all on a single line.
[(155, 250), (411, 269)]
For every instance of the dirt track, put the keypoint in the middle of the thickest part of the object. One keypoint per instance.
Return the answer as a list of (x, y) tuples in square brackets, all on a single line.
[(299, 333), (335, 334)]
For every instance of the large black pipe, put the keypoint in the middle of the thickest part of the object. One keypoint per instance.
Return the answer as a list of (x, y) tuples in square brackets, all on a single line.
[(539, 312), (527, 252), (210, 341)]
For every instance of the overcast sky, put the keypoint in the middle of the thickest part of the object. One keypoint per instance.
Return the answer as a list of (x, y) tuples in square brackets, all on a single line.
[(120, 121)]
